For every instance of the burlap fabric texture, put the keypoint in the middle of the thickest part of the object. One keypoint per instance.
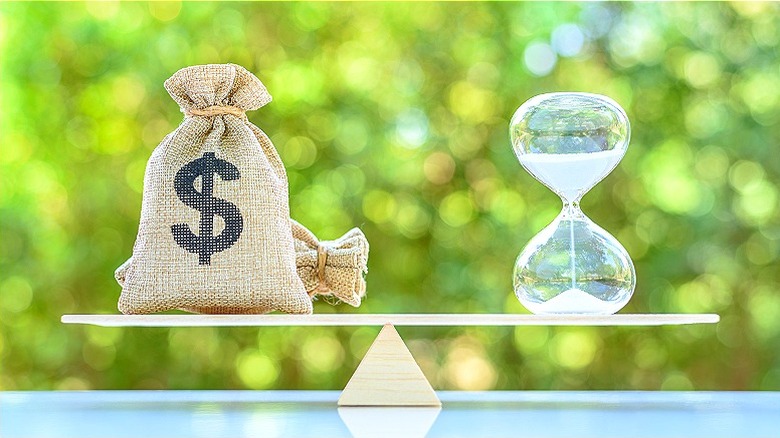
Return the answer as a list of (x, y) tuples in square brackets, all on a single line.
[(215, 232), (333, 268)]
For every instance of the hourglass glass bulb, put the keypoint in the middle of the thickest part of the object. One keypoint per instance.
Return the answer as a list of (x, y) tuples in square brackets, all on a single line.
[(570, 142)]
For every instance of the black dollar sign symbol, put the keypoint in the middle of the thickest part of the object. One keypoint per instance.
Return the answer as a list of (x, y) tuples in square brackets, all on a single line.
[(206, 244)]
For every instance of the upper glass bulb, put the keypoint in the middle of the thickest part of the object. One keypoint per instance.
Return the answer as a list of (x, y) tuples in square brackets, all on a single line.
[(569, 141)]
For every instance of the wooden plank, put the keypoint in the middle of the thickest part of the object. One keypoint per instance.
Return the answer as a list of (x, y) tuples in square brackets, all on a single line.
[(403, 319), (388, 376)]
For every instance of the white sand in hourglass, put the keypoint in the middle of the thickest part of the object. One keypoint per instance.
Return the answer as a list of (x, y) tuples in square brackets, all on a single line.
[(570, 175), (571, 301)]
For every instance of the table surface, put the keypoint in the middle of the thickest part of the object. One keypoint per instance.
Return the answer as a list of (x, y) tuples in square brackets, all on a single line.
[(407, 319), (463, 414)]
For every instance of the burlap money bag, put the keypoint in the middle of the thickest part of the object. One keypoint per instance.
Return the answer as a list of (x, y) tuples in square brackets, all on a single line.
[(215, 233)]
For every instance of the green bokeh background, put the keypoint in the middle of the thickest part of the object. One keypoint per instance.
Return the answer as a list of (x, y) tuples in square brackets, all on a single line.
[(393, 117)]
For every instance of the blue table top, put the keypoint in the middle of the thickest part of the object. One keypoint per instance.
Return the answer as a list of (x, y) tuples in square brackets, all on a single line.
[(463, 414)]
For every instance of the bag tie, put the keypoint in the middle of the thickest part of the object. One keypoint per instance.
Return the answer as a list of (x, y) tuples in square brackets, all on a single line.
[(332, 268), (216, 110), (322, 260)]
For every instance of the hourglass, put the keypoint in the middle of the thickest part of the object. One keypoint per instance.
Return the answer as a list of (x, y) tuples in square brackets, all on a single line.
[(570, 142)]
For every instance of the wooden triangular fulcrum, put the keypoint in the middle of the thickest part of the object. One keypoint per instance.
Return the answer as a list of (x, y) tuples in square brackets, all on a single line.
[(388, 376)]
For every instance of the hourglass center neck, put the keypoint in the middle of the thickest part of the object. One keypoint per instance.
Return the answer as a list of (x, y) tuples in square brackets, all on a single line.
[(571, 210)]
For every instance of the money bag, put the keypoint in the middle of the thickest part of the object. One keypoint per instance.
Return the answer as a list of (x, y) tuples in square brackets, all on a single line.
[(215, 232)]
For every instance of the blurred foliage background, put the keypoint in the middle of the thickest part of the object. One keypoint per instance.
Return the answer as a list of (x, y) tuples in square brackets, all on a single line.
[(394, 117)]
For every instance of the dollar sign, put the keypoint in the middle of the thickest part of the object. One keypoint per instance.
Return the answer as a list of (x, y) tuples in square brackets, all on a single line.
[(206, 244)]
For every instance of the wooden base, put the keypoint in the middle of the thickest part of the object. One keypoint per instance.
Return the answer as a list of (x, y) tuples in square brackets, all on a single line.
[(388, 376)]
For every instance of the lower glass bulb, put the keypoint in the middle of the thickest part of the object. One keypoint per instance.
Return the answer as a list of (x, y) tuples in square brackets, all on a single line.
[(573, 266)]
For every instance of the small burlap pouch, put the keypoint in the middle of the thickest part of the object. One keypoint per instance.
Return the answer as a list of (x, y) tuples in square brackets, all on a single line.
[(333, 268), (215, 231)]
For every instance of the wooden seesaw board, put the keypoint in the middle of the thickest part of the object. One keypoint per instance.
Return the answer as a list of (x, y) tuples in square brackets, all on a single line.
[(396, 319), (388, 375)]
